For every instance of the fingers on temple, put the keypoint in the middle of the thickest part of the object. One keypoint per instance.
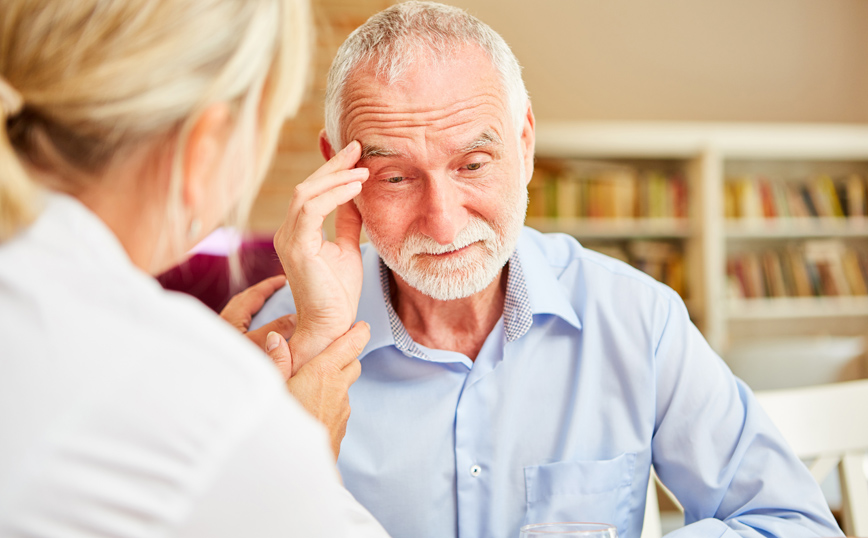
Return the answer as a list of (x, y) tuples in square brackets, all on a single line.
[(320, 182), (342, 160), (313, 213), (333, 184)]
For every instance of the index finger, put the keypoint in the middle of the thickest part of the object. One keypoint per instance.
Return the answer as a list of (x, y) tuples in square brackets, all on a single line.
[(255, 296), (343, 160), (240, 309), (339, 170)]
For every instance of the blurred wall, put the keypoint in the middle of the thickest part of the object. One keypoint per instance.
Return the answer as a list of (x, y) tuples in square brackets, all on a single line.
[(655, 60), (708, 60)]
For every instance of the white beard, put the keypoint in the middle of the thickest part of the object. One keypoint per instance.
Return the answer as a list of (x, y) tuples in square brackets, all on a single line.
[(464, 274)]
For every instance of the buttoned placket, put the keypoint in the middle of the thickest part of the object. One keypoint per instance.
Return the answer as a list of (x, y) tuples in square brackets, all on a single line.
[(472, 441)]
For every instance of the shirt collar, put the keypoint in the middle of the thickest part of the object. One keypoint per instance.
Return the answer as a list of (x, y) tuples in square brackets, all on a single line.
[(544, 291), (400, 336), (372, 306), (517, 314)]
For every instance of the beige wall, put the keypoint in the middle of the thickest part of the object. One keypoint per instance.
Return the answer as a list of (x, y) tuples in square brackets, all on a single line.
[(691, 60), (688, 60)]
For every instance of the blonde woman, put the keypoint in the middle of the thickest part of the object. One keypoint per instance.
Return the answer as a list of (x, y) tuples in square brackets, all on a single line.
[(130, 129)]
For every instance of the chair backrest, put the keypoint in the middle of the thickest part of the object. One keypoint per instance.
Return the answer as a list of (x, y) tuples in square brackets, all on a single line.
[(652, 527), (827, 425)]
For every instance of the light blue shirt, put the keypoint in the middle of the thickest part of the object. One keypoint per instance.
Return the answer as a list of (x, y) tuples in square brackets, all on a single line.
[(593, 373)]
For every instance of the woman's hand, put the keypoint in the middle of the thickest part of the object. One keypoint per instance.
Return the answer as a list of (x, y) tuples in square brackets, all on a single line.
[(325, 277), (241, 308), (322, 384)]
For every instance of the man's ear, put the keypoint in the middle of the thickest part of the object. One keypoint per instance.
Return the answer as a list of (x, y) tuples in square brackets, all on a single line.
[(528, 141), (325, 147), (205, 144)]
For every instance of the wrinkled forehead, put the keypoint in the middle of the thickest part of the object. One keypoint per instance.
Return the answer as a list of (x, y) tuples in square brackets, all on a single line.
[(432, 93)]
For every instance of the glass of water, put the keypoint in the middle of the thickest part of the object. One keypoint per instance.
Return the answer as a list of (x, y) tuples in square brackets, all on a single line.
[(568, 529)]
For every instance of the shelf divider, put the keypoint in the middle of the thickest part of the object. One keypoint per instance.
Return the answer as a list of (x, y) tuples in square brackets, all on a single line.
[(584, 228), (797, 307), (796, 228)]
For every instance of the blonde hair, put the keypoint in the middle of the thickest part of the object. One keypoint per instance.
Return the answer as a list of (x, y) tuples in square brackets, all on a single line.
[(98, 77)]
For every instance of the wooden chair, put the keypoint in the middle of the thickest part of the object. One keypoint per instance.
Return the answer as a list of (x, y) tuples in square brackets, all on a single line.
[(827, 426), (651, 526)]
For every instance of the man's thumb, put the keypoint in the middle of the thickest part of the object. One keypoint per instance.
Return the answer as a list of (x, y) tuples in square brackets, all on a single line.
[(278, 350)]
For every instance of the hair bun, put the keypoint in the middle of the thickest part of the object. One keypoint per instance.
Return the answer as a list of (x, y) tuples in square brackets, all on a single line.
[(10, 100)]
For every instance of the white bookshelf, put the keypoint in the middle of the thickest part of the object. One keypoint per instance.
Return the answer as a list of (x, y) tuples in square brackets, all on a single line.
[(795, 228), (797, 308), (613, 229), (708, 153)]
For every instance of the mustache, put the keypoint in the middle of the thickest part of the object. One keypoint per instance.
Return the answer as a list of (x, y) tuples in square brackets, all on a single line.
[(477, 230)]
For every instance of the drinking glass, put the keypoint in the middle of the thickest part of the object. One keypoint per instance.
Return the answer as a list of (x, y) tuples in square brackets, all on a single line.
[(568, 529)]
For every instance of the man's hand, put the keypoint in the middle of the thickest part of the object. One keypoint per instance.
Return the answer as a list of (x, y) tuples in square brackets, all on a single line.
[(322, 384), (241, 308), (325, 277)]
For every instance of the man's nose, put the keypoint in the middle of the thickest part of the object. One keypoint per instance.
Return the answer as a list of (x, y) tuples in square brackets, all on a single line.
[(444, 211)]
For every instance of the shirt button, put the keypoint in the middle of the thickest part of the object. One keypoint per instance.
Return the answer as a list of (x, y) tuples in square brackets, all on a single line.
[(475, 470)]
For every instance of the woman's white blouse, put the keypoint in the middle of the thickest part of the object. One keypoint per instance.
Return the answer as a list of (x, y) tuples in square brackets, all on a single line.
[(128, 411)]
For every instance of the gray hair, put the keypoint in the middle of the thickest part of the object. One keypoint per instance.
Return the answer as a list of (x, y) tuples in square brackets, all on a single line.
[(396, 38)]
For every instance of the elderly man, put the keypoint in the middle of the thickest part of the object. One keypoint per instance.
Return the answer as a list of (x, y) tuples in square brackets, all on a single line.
[(511, 377)]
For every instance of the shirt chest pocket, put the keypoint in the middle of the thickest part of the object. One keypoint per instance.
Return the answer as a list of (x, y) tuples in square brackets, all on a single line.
[(591, 491)]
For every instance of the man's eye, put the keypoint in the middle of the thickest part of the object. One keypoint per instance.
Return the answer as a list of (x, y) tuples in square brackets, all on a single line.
[(396, 179), (474, 166)]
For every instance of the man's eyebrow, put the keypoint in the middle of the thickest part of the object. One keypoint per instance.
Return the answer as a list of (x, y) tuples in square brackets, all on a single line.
[(370, 150), (487, 138)]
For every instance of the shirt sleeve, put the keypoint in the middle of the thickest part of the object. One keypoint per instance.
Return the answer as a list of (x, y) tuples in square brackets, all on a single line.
[(279, 482), (719, 453)]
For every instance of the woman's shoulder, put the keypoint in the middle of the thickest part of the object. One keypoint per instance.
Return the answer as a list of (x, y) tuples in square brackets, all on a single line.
[(92, 334), (153, 405), (116, 381), (183, 327)]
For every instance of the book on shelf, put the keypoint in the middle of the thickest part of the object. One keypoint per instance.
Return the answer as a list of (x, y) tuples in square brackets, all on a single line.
[(800, 280), (663, 261), (822, 268), (854, 196), (752, 197), (853, 273), (590, 190), (774, 269)]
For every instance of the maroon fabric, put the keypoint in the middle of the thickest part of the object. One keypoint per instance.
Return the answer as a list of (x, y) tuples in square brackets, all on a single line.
[(206, 276)]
